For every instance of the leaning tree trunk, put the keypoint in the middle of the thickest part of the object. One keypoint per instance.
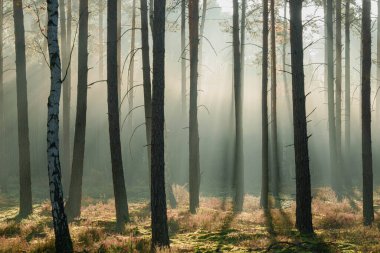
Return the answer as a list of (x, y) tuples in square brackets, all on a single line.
[(183, 56), (330, 94), (66, 96), (75, 194), (338, 81), (238, 184), (264, 119), (276, 163), (194, 166), (303, 188), (160, 235), (61, 229), (368, 211), (347, 75), (120, 193), (22, 111)]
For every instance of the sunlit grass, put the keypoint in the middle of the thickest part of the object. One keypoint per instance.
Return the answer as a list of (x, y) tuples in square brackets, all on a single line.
[(338, 227)]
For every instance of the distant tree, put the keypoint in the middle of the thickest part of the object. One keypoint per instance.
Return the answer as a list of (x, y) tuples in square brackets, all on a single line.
[(201, 33), (368, 211), (183, 56), (242, 40), (131, 68), (61, 230), (160, 234), (276, 163), (3, 181), (22, 111), (330, 93), (338, 93), (66, 95), (303, 187), (122, 214), (101, 39), (75, 193), (264, 120), (238, 151), (194, 166), (347, 75)]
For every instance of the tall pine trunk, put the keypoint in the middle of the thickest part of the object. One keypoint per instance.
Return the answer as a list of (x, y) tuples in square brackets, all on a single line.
[(22, 111), (347, 76), (183, 56), (118, 54), (330, 93), (238, 152), (264, 117), (160, 235), (66, 96), (242, 41), (120, 193), (201, 34), (61, 229), (147, 83), (303, 187), (368, 211), (194, 166), (75, 193), (276, 163), (131, 68), (338, 94)]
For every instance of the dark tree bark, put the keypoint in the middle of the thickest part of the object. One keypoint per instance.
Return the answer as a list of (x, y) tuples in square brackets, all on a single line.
[(264, 119), (61, 230), (121, 203), (238, 196), (347, 81), (118, 56), (160, 236), (368, 211), (338, 94), (303, 188), (183, 56), (75, 194), (276, 163), (194, 166), (146, 75), (22, 111), (66, 96), (101, 39), (330, 94)]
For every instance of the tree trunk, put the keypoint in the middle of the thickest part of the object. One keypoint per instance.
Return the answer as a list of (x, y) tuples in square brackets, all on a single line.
[(242, 42), (121, 203), (347, 76), (101, 39), (238, 184), (194, 166), (330, 92), (264, 120), (66, 96), (276, 164), (338, 93), (131, 69), (201, 35), (303, 188), (3, 173), (75, 195), (61, 230), (183, 56), (146, 75), (22, 111), (118, 56), (368, 211), (160, 236)]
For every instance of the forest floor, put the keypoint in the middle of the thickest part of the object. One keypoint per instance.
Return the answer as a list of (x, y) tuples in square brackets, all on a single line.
[(338, 227)]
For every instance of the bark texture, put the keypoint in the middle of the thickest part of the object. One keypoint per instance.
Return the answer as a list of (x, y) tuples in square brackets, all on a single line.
[(61, 230), (160, 235), (303, 187)]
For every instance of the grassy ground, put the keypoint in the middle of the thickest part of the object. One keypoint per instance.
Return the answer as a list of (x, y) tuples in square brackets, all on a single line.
[(213, 229)]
